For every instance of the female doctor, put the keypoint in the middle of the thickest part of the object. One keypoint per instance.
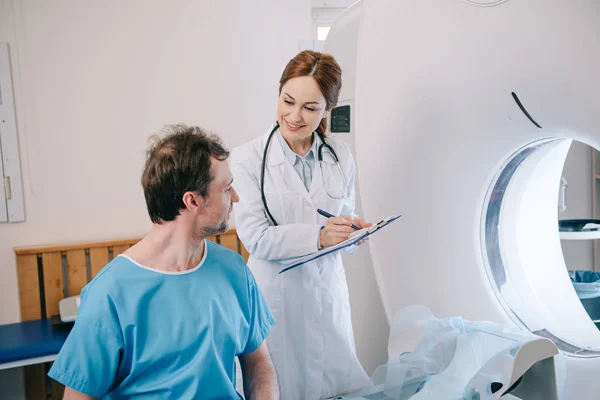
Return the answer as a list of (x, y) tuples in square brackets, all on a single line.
[(282, 178)]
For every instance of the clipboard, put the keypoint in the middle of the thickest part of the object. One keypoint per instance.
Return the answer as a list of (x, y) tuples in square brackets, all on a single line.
[(354, 237)]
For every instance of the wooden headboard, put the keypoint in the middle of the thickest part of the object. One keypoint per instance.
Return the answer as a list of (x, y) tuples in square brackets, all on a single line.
[(49, 273)]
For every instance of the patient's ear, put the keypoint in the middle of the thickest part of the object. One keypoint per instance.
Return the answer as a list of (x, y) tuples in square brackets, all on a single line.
[(193, 201)]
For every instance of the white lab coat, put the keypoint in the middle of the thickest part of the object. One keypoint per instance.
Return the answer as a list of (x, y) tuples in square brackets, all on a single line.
[(312, 342)]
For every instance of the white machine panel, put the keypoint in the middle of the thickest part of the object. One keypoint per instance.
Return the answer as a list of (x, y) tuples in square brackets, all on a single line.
[(446, 92)]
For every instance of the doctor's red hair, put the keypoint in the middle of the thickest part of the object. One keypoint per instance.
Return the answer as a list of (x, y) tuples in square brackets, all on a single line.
[(325, 71)]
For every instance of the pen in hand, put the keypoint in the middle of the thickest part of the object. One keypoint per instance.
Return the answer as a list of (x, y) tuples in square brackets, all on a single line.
[(327, 215)]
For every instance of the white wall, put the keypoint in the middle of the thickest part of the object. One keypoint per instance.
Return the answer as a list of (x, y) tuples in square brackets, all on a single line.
[(94, 79), (324, 17), (578, 173)]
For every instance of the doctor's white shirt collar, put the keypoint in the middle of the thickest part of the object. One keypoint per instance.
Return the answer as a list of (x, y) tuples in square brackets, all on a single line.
[(291, 156)]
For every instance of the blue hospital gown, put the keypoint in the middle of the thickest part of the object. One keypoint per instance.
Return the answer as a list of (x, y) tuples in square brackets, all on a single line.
[(164, 335)]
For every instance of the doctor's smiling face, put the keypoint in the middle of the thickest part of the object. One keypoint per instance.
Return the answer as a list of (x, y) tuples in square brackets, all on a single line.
[(300, 109), (309, 88)]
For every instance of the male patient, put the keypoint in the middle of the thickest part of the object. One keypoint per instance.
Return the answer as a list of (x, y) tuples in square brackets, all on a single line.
[(166, 319)]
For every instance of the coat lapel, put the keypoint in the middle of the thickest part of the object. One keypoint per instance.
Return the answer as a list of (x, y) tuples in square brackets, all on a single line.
[(321, 172), (317, 179)]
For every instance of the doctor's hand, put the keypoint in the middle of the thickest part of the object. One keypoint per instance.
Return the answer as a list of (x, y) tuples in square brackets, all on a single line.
[(335, 231), (361, 223)]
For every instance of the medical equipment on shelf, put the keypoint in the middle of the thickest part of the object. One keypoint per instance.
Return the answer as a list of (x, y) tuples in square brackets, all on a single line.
[(578, 225), (331, 192)]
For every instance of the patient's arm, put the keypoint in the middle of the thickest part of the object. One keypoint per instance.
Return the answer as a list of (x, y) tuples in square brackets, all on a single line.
[(260, 378), (71, 394)]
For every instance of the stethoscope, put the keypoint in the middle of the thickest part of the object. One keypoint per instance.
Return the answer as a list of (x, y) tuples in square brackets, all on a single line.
[(319, 158)]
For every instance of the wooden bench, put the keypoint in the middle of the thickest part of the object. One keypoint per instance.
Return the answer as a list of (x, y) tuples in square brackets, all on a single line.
[(49, 273)]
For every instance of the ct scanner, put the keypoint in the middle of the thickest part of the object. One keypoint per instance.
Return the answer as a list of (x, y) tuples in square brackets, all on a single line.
[(462, 113)]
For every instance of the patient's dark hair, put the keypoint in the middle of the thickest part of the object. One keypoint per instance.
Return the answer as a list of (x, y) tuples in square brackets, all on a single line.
[(177, 163)]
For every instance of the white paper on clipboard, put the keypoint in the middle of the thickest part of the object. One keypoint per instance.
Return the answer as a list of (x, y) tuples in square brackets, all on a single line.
[(354, 237)]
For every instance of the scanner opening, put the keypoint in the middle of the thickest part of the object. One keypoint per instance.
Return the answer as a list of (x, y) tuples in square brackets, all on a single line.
[(521, 248)]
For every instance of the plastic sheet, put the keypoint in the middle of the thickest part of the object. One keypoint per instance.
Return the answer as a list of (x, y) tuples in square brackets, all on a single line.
[(448, 359)]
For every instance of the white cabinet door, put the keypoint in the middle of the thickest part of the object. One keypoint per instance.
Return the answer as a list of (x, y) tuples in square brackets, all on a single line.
[(11, 191)]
